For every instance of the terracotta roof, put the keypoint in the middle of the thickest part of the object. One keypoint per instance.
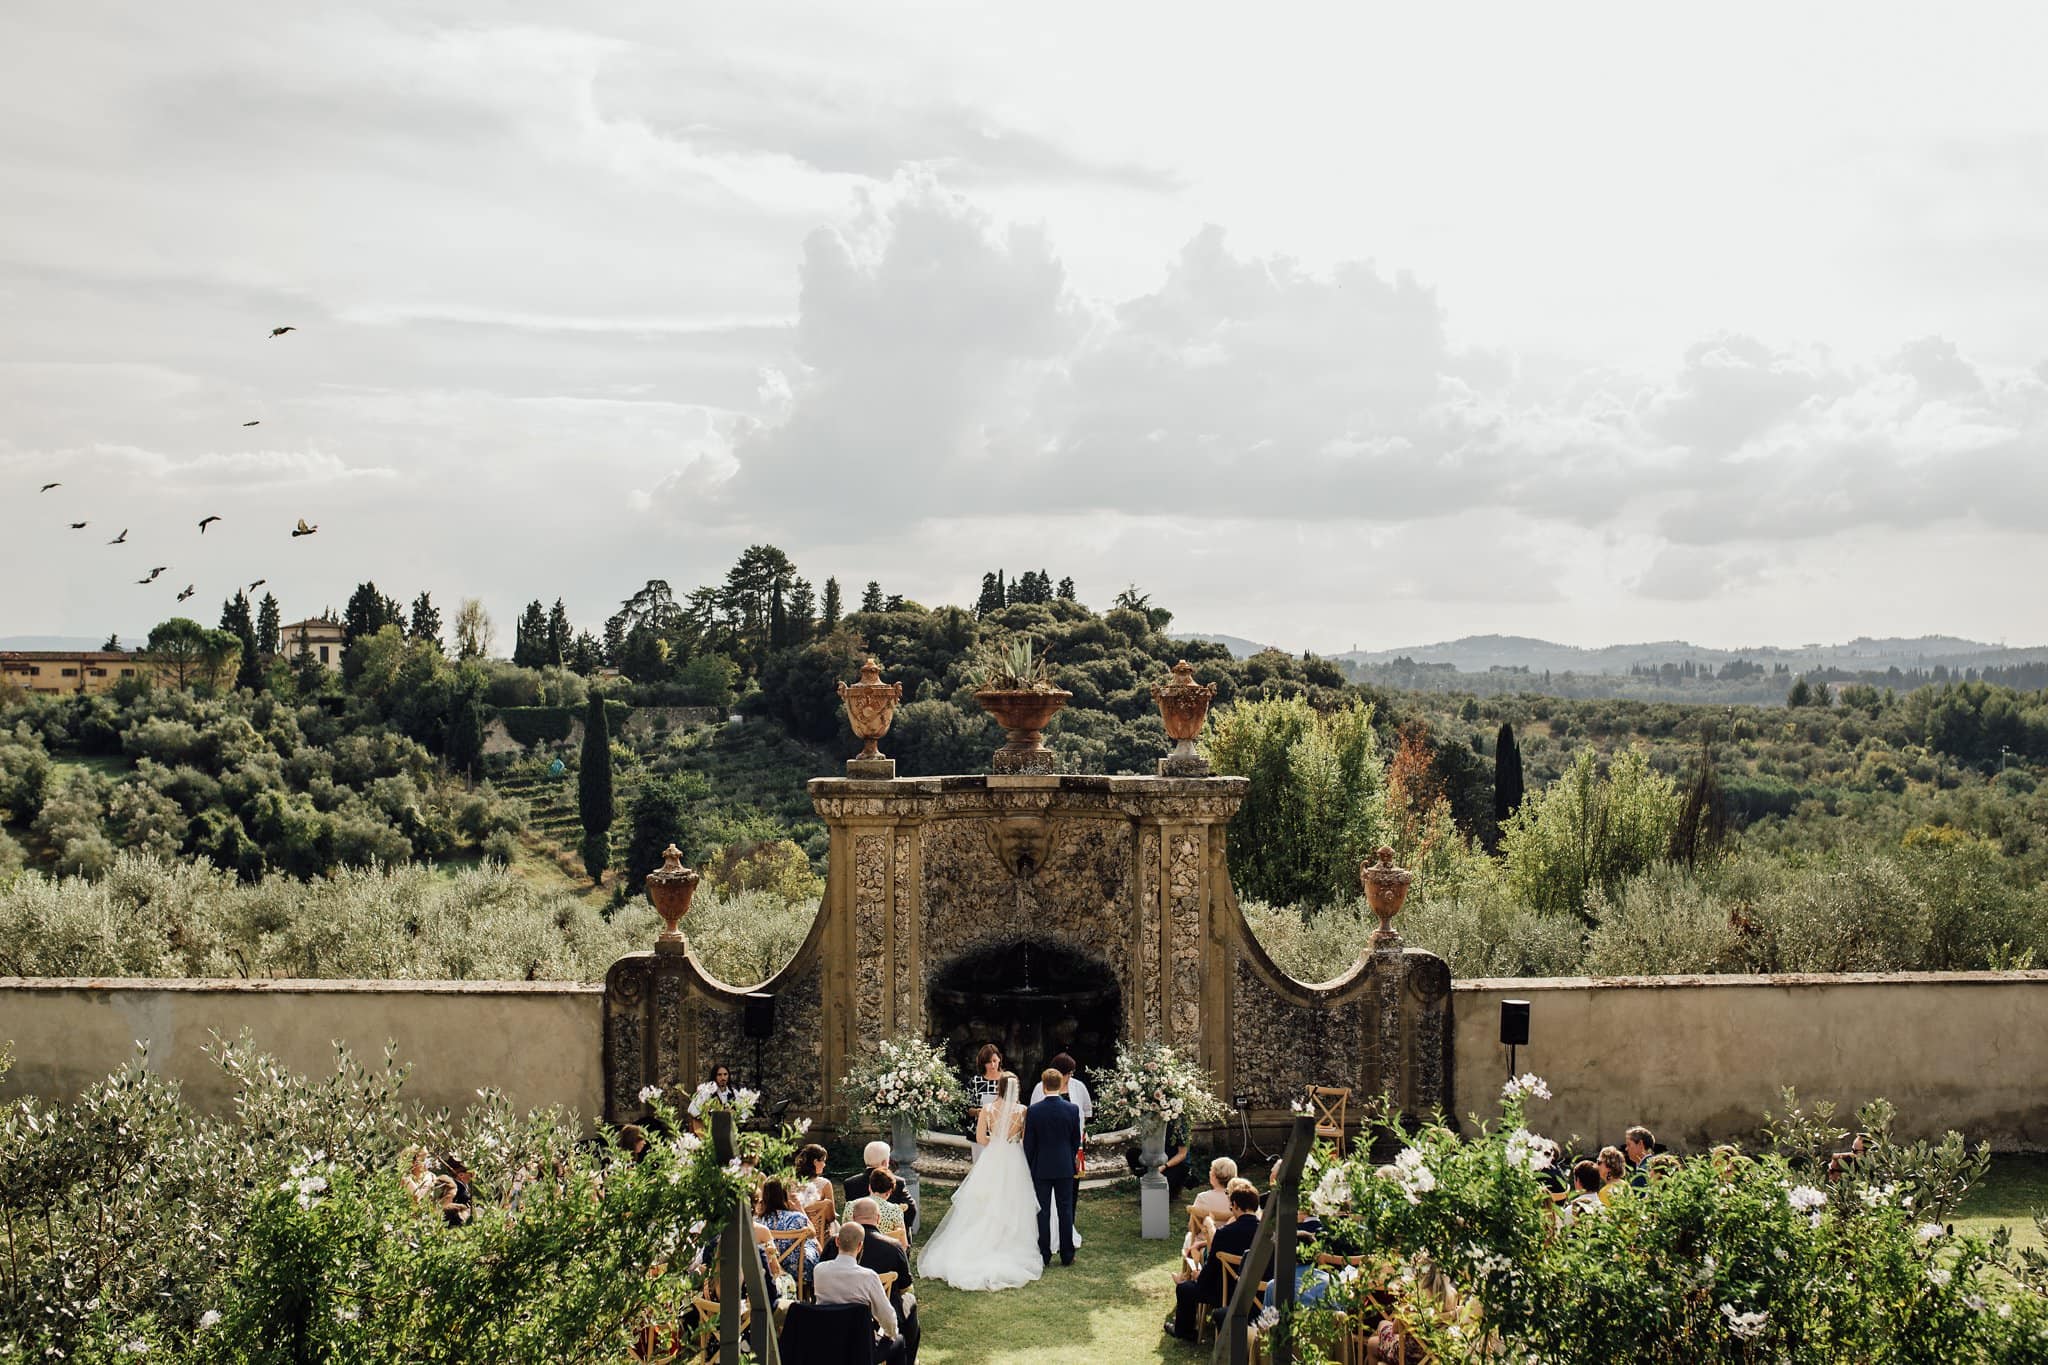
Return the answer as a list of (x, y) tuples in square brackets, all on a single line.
[(38, 656)]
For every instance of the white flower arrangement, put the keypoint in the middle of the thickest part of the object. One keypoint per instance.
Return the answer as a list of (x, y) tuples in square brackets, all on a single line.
[(1152, 1083), (905, 1078), (1527, 1084)]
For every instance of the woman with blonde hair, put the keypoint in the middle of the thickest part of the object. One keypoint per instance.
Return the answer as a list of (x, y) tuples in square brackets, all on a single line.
[(1614, 1174), (1211, 1206)]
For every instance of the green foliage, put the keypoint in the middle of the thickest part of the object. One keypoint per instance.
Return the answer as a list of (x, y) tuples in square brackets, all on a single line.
[(1317, 805), (531, 725), (187, 654), (1589, 832), (281, 1231), (662, 815), (1012, 665)]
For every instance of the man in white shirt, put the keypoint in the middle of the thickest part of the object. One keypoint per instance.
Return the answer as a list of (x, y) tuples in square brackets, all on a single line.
[(1077, 1089), (843, 1279)]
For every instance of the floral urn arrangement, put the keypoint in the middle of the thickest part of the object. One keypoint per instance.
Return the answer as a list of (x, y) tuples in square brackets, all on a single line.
[(1184, 706), (1386, 886), (671, 887), (1014, 684), (870, 707)]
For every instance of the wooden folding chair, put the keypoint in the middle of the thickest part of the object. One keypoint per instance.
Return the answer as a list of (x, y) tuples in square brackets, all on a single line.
[(888, 1279), (795, 1237), (1330, 1102), (821, 1215), (1231, 1264)]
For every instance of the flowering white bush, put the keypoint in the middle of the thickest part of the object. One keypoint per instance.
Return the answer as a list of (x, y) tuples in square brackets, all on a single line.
[(1528, 1084), (905, 1078), (1151, 1083)]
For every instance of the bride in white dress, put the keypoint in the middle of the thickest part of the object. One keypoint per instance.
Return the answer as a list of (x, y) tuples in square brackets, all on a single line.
[(989, 1238)]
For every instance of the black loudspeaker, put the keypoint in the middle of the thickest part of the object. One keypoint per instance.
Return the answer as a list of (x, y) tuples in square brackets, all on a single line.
[(1514, 1023), (760, 1016)]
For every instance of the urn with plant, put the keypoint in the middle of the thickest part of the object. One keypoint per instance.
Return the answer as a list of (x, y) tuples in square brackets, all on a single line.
[(1013, 682)]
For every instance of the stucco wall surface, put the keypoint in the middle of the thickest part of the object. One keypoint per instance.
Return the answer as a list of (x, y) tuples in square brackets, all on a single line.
[(537, 1042), (1697, 1059)]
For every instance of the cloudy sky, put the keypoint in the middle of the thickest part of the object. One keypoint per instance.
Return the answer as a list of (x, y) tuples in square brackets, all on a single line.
[(1330, 326)]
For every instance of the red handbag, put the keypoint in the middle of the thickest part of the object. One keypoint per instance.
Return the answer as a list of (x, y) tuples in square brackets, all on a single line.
[(1080, 1163)]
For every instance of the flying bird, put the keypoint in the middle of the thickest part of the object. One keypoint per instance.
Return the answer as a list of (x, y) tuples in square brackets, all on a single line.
[(257, 584), (303, 529), (185, 594), (202, 523), (256, 423), (154, 572), (280, 331), (48, 486), (120, 539), (145, 582), (78, 526)]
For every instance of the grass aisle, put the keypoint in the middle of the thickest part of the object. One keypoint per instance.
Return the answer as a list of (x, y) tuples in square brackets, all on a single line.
[(1105, 1309)]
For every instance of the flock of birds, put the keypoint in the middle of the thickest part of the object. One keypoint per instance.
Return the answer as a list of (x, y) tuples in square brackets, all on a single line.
[(302, 529)]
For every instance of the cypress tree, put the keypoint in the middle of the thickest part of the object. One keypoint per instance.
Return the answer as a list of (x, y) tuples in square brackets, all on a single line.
[(1507, 774), (830, 610), (560, 634), (871, 596), (466, 724), (269, 628), (594, 790)]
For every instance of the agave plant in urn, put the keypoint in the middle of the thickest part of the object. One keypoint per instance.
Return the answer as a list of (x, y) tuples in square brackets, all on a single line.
[(870, 706), (1015, 685), (1386, 886), (671, 887), (1183, 705)]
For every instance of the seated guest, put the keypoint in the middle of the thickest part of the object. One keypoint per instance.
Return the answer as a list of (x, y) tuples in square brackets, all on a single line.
[(633, 1142), (1211, 1206), (1839, 1162), (1191, 1297), (419, 1176), (881, 1186), (875, 1156), (464, 1198), (1662, 1165), (443, 1192), (1586, 1192), (843, 1279), (1614, 1175), (813, 1187), (1639, 1145), (1311, 1281), (775, 1210), (883, 1256)]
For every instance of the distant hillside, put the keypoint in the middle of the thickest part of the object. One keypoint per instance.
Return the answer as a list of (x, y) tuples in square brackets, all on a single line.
[(61, 641), (1481, 653), (1240, 648)]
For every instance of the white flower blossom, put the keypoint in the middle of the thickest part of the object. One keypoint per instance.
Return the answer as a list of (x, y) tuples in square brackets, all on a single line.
[(210, 1318), (1414, 1176), (1267, 1320), (1529, 1084), (1805, 1198), (1332, 1193), (1940, 1276), (649, 1094), (1927, 1232), (1747, 1326), (1526, 1149)]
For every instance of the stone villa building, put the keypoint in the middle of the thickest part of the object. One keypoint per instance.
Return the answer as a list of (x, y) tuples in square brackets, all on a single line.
[(316, 635), (54, 672)]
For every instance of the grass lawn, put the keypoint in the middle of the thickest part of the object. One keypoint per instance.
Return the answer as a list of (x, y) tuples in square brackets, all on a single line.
[(2014, 1191), (1105, 1309)]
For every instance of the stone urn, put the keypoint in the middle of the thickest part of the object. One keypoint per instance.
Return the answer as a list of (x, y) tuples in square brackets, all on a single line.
[(903, 1152), (1183, 705), (870, 706), (671, 887), (1386, 886), (1023, 713)]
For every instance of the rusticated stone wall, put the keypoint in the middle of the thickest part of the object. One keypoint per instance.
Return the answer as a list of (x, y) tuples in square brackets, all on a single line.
[(1128, 873)]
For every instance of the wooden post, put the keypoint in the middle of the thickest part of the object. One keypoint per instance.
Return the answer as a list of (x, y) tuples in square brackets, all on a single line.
[(739, 1266), (1274, 1246)]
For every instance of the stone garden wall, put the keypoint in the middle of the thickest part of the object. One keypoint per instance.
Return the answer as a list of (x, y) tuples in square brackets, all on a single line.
[(1696, 1058)]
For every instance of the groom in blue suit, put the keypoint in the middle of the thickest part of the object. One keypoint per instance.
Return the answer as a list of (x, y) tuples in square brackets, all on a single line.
[(1052, 1142)]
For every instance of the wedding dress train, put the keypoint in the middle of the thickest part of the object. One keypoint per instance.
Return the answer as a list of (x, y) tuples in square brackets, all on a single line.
[(989, 1237)]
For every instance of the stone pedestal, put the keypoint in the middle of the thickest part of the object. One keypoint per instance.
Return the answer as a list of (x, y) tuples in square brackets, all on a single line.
[(871, 769), (1189, 764), (1154, 1206)]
